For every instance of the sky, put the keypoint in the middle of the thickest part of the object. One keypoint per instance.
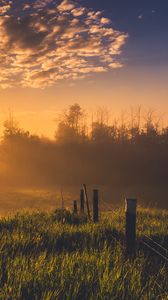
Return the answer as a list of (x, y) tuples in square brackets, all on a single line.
[(97, 53)]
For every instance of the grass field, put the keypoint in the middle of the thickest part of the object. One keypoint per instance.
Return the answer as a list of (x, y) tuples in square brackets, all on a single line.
[(43, 259)]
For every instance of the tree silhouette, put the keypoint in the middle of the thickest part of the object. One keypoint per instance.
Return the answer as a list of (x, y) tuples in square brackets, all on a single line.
[(72, 126)]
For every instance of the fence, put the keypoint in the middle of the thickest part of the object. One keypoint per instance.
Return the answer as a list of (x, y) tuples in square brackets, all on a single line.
[(130, 226), (130, 223), (132, 243)]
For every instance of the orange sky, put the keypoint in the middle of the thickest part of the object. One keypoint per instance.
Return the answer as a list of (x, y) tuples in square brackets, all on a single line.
[(36, 109), (53, 55)]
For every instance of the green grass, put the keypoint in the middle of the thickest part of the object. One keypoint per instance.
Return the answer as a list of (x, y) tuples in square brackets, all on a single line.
[(43, 259)]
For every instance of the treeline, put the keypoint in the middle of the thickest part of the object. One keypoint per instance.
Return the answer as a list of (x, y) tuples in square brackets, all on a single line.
[(132, 153), (74, 127)]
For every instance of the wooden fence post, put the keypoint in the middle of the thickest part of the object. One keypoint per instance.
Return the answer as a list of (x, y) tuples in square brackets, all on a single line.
[(130, 230), (95, 206), (75, 207), (82, 208), (87, 201)]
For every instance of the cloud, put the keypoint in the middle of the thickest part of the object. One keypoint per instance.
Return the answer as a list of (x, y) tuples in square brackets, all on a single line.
[(77, 12), (116, 65), (42, 42), (66, 5), (105, 21), (4, 9)]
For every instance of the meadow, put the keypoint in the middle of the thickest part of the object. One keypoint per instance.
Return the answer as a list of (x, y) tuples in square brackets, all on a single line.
[(41, 258)]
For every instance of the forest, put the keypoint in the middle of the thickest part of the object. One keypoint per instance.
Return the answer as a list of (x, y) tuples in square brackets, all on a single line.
[(129, 152)]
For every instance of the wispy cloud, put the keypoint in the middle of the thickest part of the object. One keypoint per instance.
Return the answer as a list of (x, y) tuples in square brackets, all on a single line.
[(42, 42)]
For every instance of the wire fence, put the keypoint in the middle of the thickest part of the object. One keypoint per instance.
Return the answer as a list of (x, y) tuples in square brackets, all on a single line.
[(156, 243), (162, 257), (145, 243)]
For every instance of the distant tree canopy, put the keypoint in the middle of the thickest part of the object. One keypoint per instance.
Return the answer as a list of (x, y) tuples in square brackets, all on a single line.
[(96, 149), (74, 127), (13, 132)]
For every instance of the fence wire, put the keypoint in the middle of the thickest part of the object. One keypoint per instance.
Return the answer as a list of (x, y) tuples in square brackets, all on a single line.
[(157, 244), (165, 258)]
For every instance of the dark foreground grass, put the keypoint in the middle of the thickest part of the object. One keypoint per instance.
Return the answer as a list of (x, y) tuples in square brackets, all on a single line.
[(43, 259)]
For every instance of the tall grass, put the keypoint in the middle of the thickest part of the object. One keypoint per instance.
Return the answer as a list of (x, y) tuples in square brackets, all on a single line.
[(43, 259)]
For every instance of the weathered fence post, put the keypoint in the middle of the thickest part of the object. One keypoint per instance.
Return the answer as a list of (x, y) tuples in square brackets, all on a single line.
[(75, 207), (82, 208), (95, 206), (130, 230), (87, 201)]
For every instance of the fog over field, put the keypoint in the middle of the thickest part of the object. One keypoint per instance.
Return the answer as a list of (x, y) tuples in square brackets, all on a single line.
[(121, 159)]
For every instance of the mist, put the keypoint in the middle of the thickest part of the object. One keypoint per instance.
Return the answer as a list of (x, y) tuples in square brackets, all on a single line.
[(122, 159)]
